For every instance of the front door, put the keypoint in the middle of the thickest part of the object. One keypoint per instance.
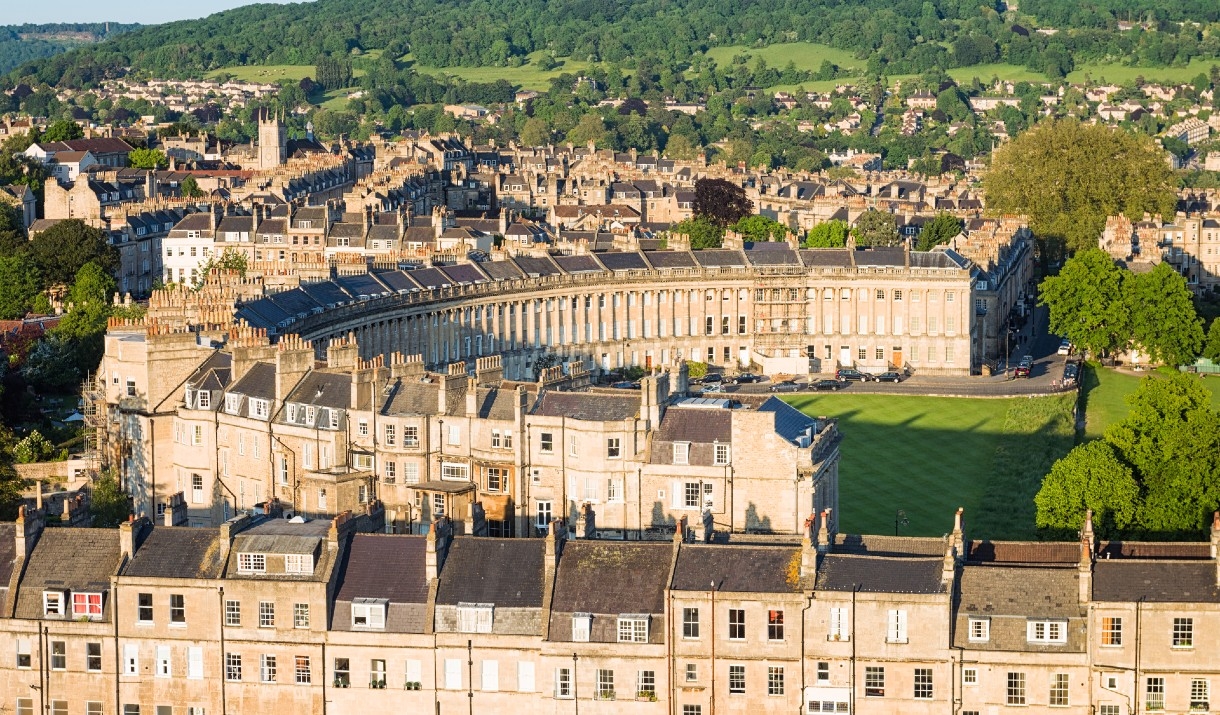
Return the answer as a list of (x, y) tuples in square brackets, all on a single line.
[(898, 357)]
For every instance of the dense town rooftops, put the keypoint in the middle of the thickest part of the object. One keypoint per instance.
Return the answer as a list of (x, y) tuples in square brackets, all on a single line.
[(69, 561)]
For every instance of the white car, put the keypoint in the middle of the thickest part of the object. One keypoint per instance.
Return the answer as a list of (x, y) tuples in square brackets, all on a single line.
[(1065, 348)]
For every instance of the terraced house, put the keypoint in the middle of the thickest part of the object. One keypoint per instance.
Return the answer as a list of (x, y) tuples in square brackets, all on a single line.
[(329, 616)]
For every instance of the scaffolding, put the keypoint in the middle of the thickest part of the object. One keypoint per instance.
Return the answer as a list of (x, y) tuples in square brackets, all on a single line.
[(97, 417)]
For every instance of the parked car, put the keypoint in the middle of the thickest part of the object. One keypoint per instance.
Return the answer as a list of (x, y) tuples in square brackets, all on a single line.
[(785, 386), (626, 385), (1071, 373), (1065, 348), (714, 387), (713, 378), (1024, 367), (889, 377), (746, 378), (848, 374), (829, 384)]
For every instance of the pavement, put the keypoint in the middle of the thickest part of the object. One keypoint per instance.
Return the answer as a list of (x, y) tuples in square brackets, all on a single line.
[(1033, 339)]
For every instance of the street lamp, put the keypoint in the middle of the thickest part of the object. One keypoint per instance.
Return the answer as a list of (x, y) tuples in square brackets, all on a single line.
[(900, 519)]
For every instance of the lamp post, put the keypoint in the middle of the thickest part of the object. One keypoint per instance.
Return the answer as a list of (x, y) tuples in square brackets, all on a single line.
[(900, 519)]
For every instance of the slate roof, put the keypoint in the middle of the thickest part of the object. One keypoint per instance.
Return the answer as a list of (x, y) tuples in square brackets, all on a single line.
[(464, 273), (1020, 591), (502, 270), (213, 373), (536, 266), (8, 552), (587, 406), (611, 577), (742, 569), (385, 566), (258, 382), (68, 559), (1160, 581), (623, 261), (324, 389), (1027, 552), (893, 546), (695, 425), (495, 403), (411, 397), (671, 259), (504, 572), (716, 257), (178, 552), (1154, 550), (790, 423), (772, 254), (579, 264), (881, 256), (840, 572), (837, 257)]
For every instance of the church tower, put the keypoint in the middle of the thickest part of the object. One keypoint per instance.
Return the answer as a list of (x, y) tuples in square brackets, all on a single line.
[(272, 141)]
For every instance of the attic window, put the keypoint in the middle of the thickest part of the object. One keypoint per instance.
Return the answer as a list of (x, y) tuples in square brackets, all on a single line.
[(52, 603), (251, 563), (258, 408), (334, 418), (681, 452), (474, 617), (87, 605), (633, 628), (232, 404), (203, 400), (581, 625), (298, 563), (368, 613), (292, 413)]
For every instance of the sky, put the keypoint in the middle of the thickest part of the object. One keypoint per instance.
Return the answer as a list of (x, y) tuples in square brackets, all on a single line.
[(143, 11)]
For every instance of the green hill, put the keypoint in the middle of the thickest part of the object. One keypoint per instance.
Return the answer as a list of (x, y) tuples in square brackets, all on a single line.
[(882, 36), (22, 43)]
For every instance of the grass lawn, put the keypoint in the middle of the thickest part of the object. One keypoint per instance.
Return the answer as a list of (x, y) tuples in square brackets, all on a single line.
[(1122, 74), (1105, 397), (806, 55), (930, 455), (270, 73), (527, 76), (1011, 73)]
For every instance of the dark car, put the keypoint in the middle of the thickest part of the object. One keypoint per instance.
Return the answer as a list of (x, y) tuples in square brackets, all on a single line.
[(1024, 367), (626, 385), (829, 385), (1071, 372), (746, 378), (847, 374), (889, 377), (713, 378), (785, 386)]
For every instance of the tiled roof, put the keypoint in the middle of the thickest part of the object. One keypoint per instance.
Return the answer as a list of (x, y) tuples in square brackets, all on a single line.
[(1023, 552), (880, 575), (790, 423), (695, 425), (178, 552), (839, 257), (881, 256), (671, 259), (612, 577), (586, 406), (1163, 581), (715, 257), (385, 566), (1154, 550), (744, 569), (68, 559), (623, 261), (504, 572), (894, 546), (258, 382), (1020, 591), (496, 404)]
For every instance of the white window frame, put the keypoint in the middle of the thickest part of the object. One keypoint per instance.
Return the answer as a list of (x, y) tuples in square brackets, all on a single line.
[(475, 617), (53, 603), (251, 563), (582, 626), (979, 630), (681, 452), (1046, 631), (633, 628), (368, 613), (896, 626)]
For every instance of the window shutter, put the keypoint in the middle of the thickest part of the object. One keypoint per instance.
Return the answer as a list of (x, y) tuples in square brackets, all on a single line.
[(902, 626), (484, 620), (676, 494), (194, 662), (453, 674), (525, 676), (163, 665), (491, 675), (131, 659)]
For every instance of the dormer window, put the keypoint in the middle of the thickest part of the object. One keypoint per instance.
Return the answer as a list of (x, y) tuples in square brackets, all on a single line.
[(311, 414), (334, 418), (633, 628), (87, 605), (203, 400), (232, 404), (368, 613), (474, 617), (298, 563), (582, 624), (681, 452), (52, 603), (259, 409), (251, 563), (292, 413)]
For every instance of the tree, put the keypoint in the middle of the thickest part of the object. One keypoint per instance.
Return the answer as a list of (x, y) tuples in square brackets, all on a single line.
[(721, 202), (230, 260), (876, 228), (1171, 440), (939, 231), (147, 159), (1067, 177), (701, 231), (1211, 349), (1091, 476), (190, 188), (1086, 302), (62, 130), (535, 132), (1162, 315), (51, 365), (831, 234), (760, 228), (19, 284), (108, 503), (34, 448), (12, 230), (590, 128), (91, 285), (60, 251)]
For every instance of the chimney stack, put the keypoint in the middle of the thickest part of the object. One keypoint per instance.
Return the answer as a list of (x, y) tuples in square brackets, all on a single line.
[(1088, 548), (824, 541)]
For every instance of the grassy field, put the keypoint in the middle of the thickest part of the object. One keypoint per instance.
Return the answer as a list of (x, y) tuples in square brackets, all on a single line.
[(806, 55), (1105, 397), (1011, 73), (1120, 73), (527, 76), (930, 455)]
